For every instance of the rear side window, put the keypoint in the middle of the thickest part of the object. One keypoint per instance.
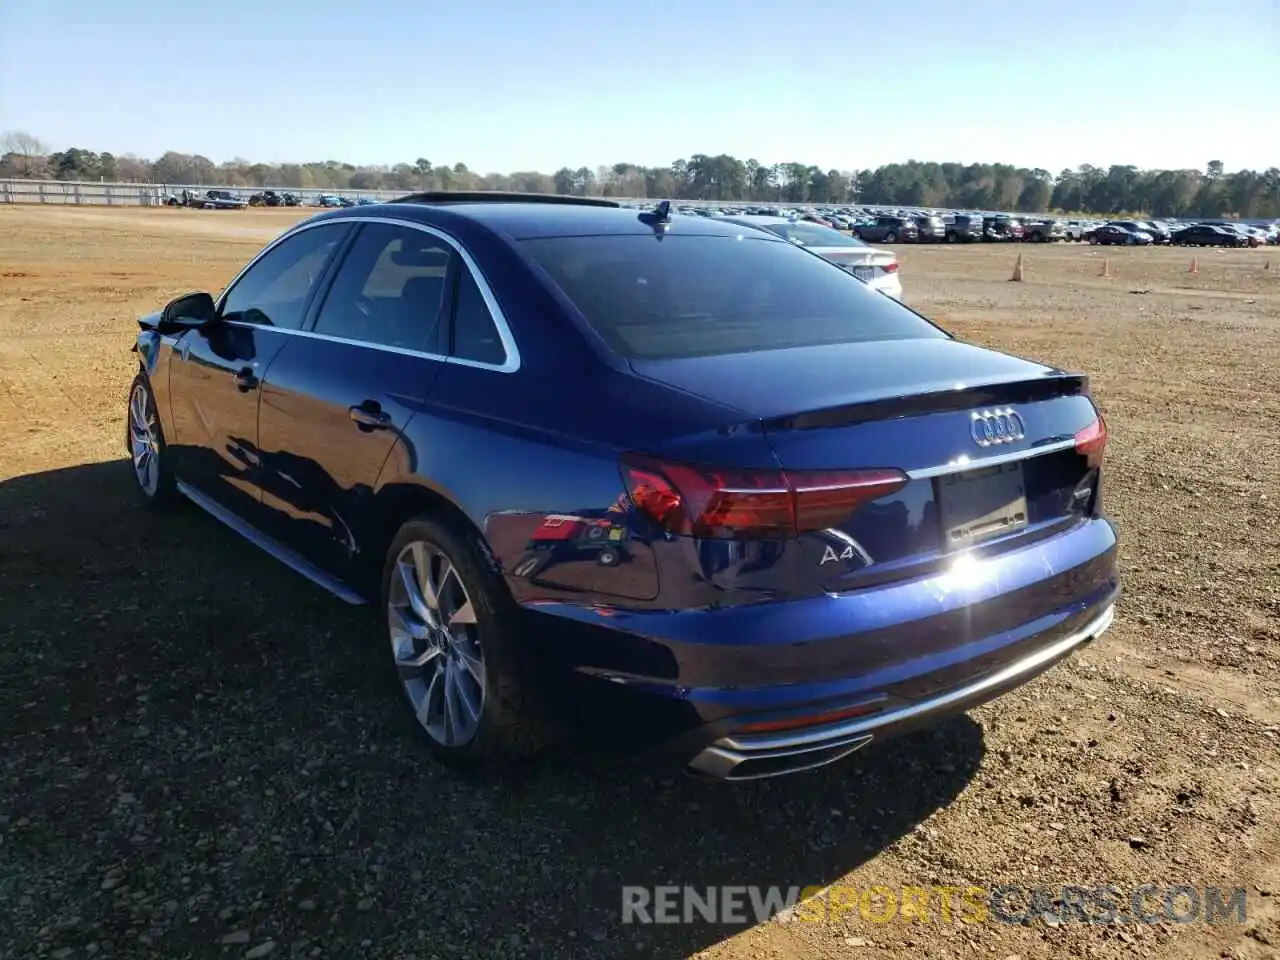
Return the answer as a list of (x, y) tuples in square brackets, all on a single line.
[(389, 290), (475, 335), (664, 297)]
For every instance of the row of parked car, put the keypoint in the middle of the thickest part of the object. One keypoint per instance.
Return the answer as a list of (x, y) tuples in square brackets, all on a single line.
[(878, 227), (209, 200), (917, 226), (934, 227), (958, 228), (227, 200), (1208, 233)]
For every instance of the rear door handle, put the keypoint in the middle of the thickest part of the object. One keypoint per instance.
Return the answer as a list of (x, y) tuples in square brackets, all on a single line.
[(246, 380), (369, 415)]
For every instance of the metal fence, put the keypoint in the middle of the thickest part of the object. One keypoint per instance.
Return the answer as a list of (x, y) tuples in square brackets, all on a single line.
[(145, 194), (155, 194)]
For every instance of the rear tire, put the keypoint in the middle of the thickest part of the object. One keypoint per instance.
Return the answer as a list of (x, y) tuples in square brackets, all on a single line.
[(458, 656), (148, 452)]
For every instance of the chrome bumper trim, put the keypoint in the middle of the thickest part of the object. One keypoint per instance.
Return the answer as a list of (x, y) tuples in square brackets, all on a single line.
[(962, 464)]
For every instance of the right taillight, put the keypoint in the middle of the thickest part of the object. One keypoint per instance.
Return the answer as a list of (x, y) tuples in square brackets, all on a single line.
[(702, 501), (890, 267), (1091, 442)]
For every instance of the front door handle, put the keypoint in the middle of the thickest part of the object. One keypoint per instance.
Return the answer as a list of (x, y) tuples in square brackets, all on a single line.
[(246, 380), (369, 415)]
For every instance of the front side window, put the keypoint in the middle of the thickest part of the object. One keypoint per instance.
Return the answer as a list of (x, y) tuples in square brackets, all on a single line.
[(274, 291), (683, 296), (389, 290)]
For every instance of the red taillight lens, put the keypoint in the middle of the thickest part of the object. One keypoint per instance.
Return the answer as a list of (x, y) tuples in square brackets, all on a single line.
[(1091, 442), (704, 501), (825, 498), (890, 267)]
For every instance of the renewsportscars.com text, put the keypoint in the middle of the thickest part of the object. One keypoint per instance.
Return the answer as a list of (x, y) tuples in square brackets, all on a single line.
[(1007, 903)]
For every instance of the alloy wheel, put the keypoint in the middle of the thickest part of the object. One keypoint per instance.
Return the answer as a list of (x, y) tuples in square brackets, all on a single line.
[(143, 444), (435, 643)]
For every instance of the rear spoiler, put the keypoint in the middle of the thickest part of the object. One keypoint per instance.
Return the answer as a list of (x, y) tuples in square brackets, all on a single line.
[(936, 401)]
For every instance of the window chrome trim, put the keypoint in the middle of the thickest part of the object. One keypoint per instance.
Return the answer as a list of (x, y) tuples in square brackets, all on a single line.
[(510, 365), (960, 464), (365, 344)]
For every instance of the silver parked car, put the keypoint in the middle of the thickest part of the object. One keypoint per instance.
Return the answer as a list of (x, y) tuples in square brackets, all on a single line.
[(877, 268)]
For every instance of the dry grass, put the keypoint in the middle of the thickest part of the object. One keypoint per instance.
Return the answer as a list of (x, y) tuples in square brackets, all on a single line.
[(196, 744)]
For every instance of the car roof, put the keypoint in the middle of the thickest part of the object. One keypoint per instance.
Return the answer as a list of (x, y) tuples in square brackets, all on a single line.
[(524, 221)]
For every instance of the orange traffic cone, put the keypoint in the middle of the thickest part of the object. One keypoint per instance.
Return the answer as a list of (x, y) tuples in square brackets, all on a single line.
[(1194, 267), (1017, 270), (1106, 268)]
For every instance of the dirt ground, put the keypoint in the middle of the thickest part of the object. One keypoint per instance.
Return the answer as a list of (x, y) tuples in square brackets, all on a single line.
[(199, 760)]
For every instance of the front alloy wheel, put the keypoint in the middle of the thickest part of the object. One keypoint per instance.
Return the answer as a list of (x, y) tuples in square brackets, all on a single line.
[(145, 443), (142, 441)]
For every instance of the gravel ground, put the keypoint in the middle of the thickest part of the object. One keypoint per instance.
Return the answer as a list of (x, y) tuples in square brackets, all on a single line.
[(200, 759)]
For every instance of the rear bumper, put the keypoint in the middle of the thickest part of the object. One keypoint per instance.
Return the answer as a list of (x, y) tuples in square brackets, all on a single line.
[(699, 689), (761, 755), (889, 285)]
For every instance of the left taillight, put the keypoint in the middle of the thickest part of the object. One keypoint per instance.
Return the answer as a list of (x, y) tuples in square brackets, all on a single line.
[(712, 502), (1091, 442)]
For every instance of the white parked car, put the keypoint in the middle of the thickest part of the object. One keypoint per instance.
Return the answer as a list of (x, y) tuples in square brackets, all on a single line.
[(875, 267)]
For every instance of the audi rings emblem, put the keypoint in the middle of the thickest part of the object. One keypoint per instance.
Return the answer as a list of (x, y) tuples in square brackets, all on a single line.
[(991, 427)]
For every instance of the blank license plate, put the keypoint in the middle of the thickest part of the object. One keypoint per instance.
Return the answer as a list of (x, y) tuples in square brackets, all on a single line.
[(978, 504)]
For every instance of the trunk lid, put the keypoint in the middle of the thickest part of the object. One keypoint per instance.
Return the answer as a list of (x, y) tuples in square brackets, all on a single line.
[(865, 263), (987, 441), (786, 383)]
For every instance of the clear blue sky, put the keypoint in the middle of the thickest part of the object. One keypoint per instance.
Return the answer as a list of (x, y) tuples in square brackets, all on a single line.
[(506, 84)]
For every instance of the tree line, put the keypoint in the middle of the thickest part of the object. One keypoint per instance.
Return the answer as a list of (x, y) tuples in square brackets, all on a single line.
[(1212, 192)]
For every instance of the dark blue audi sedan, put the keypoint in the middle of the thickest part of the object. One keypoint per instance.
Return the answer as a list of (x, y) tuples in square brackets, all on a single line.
[(671, 480)]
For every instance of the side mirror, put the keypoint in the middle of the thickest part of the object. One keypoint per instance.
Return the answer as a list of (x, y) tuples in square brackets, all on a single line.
[(187, 312)]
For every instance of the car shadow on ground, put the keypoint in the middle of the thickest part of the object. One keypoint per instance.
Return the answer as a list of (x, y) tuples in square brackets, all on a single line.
[(199, 744)]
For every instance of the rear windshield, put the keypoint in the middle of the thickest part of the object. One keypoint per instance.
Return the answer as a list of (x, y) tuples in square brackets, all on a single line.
[(659, 298), (812, 235)]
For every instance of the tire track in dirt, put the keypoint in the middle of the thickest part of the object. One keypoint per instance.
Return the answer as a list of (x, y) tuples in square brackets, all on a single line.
[(50, 429)]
